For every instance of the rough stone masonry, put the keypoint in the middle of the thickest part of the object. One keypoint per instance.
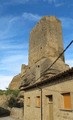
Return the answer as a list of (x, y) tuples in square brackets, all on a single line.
[(45, 40), (45, 46)]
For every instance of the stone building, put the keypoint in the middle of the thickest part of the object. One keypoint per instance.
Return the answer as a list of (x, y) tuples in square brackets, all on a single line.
[(51, 99), (48, 91)]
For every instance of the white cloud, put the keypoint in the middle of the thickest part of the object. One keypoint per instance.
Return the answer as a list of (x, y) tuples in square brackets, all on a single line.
[(14, 19), (30, 16), (69, 62), (13, 58), (13, 63), (13, 53), (11, 26), (4, 81), (6, 27)]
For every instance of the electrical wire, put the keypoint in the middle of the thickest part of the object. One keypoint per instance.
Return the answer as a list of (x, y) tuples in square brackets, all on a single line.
[(53, 62)]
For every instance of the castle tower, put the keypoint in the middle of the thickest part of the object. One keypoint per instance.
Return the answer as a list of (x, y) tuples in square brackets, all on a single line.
[(45, 40)]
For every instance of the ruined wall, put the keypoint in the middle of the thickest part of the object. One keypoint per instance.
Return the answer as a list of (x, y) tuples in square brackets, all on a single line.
[(45, 40)]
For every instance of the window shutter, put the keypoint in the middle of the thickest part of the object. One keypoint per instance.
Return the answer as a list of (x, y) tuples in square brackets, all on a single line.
[(38, 101), (67, 101)]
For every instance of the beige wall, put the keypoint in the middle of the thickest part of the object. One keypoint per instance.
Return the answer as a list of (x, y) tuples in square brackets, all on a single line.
[(33, 113)]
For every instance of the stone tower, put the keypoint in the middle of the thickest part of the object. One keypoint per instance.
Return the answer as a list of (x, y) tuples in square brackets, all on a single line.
[(45, 40), (44, 47)]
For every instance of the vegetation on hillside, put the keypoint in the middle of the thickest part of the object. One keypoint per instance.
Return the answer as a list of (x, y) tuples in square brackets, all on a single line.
[(8, 92), (2, 92)]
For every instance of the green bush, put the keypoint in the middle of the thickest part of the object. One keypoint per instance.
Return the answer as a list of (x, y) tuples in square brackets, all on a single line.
[(8, 92), (12, 102), (2, 92), (14, 92)]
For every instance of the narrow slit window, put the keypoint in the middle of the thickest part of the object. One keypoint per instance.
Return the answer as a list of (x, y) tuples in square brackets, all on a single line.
[(28, 101)]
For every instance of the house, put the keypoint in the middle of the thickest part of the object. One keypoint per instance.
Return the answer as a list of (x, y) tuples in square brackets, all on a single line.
[(51, 99)]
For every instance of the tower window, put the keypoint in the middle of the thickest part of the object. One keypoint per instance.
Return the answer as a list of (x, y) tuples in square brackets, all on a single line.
[(38, 66), (41, 48), (28, 101)]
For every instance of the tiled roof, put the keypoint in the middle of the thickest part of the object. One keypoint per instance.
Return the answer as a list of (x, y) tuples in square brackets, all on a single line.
[(61, 76)]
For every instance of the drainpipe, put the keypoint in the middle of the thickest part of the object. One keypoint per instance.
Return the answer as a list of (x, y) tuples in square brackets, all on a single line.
[(41, 104)]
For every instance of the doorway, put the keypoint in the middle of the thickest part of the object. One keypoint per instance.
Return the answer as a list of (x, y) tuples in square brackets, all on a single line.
[(49, 107)]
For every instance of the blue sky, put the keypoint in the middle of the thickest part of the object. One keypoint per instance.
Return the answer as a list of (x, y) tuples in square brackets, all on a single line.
[(17, 18)]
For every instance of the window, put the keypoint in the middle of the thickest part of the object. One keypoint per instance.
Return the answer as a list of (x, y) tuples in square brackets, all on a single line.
[(38, 104), (41, 48), (28, 101), (67, 100), (50, 98), (38, 66)]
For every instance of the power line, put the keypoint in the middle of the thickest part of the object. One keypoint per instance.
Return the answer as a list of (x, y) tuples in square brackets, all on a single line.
[(56, 59), (60, 55), (53, 62)]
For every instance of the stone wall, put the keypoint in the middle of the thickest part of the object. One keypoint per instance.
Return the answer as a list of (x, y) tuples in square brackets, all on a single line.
[(45, 40)]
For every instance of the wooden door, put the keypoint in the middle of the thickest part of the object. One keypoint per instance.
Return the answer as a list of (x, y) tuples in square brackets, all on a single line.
[(49, 107)]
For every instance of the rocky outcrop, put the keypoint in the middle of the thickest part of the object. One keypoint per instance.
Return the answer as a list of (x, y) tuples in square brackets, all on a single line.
[(17, 80), (4, 106), (15, 83), (3, 101), (11, 105), (4, 112)]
